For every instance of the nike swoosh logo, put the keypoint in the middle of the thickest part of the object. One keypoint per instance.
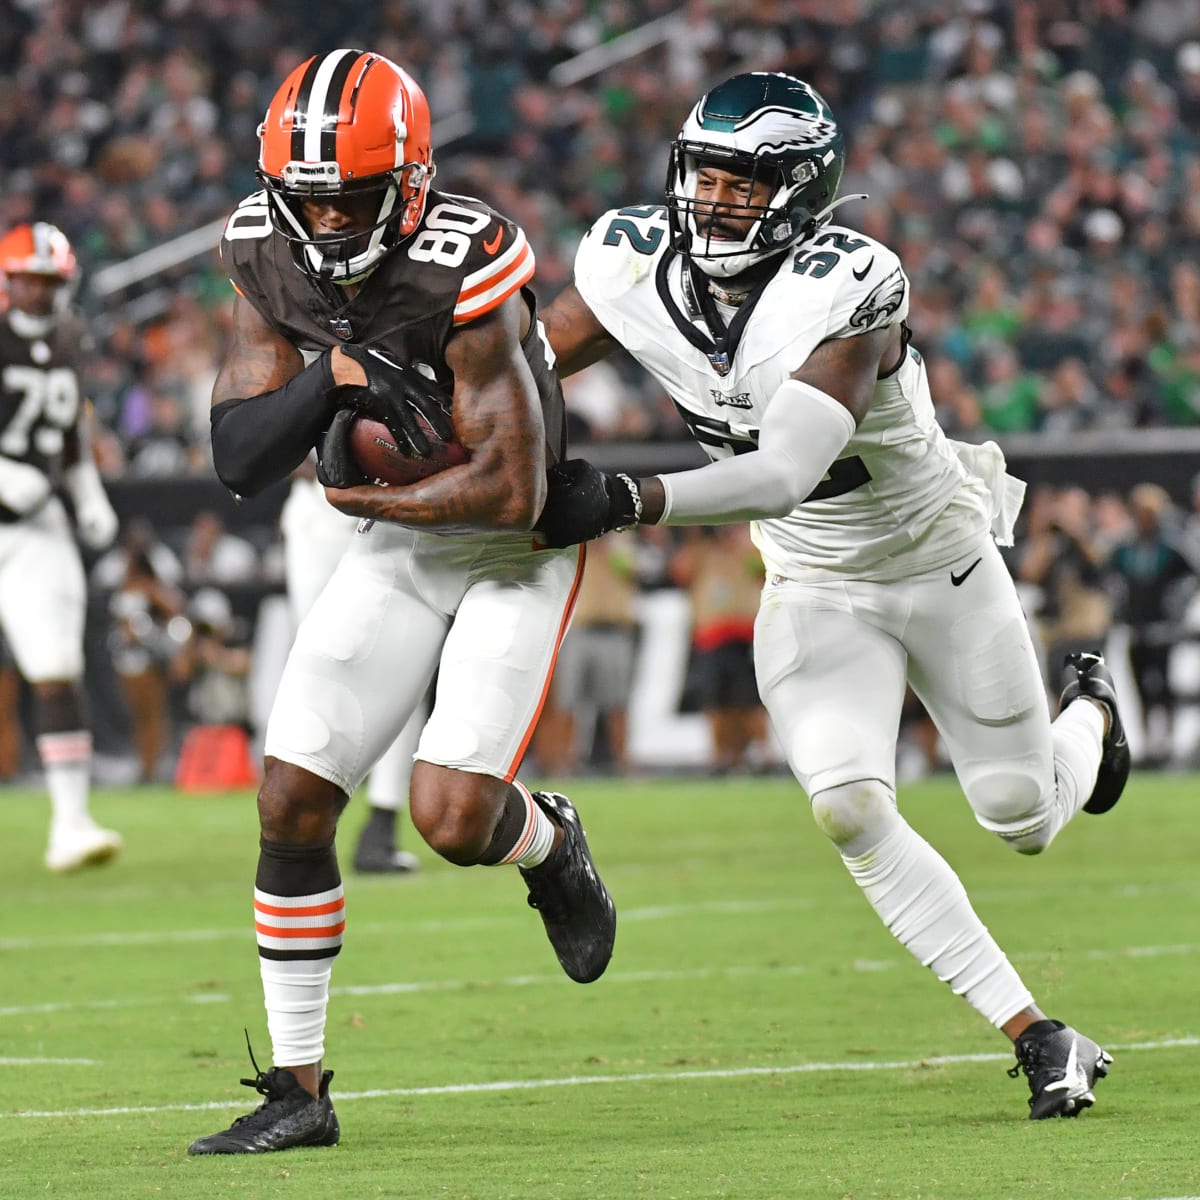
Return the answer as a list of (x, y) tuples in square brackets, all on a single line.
[(959, 580), (494, 245), (861, 275)]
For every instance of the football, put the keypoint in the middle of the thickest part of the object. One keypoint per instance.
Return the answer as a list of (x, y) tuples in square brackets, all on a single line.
[(380, 459)]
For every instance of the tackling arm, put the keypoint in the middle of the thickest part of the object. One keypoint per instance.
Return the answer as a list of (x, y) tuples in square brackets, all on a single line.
[(807, 423), (804, 429), (575, 335)]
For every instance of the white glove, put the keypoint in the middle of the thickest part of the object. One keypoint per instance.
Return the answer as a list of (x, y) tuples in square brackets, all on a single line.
[(94, 517), (23, 488)]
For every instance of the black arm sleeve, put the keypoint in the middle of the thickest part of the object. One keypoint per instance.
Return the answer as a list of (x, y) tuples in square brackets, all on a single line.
[(262, 439)]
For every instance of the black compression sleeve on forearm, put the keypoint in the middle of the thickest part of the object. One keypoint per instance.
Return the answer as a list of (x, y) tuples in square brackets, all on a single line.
[(262, 439)]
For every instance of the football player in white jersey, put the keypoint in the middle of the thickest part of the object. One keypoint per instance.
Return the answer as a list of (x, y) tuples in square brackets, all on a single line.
[(781, 338), (44, 444), (315, 536)]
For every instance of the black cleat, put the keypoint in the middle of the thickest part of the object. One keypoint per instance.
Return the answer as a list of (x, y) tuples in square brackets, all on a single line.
[(1062, 1067), (288, 1117), (578, 912), (1086, 675), (371, 858)]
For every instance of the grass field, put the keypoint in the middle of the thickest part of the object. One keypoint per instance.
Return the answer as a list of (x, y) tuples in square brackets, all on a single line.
[(758, 1034)]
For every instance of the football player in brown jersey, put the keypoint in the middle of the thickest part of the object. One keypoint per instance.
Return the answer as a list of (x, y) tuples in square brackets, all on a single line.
[(357, 284), (44, 444)]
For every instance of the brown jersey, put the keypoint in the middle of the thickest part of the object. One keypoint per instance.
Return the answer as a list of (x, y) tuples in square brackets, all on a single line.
[(40, 394), (462, 260)]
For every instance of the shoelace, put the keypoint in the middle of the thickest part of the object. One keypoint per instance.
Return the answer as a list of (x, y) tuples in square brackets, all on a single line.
[(1028, 1059), (263, 1083)]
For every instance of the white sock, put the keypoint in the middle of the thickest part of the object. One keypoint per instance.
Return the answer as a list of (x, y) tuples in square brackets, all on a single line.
[(1077, 735), (922, 901), (537, 838), (67, 760), (298, 939), (296, 996)]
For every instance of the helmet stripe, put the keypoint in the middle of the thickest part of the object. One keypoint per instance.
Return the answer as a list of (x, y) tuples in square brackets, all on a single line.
[(314, 124), (300, 107), (330, 101)]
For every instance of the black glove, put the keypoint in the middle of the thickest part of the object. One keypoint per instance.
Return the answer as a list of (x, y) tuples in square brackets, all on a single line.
[(583, 502), (395, 394), (336, 467)]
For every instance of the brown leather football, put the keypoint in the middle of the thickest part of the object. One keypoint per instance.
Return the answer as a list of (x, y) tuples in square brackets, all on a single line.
[(380, 459)]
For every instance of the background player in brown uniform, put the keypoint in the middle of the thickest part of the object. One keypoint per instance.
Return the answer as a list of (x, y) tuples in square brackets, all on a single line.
[(44, 444), (348, 248)]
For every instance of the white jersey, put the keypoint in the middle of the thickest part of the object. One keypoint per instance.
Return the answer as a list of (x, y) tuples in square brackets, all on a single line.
[(899, 499)]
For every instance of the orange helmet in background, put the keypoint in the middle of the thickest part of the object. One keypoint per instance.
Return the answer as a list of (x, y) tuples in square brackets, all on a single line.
[(345, 123), (37, 249)]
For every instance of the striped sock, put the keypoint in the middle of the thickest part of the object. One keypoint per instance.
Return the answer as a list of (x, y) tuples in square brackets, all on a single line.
[(536, 837), (67, 760), (299, 920)]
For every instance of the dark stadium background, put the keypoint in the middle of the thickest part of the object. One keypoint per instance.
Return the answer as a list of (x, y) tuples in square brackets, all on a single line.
[(1036, 165)]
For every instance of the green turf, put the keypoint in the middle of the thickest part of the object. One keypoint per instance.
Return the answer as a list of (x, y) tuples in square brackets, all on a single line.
[(714, 1059)]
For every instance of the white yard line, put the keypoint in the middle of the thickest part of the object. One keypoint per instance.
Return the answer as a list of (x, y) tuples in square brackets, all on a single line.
[(513, 1085), (242, 933), (418, 986), (659, 912), (49, 1062)]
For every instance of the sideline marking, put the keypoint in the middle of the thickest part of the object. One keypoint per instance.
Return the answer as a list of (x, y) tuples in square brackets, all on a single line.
[(515, 1085)]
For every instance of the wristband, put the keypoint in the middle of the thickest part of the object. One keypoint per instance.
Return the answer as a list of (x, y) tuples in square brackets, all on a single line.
[(635, 494)]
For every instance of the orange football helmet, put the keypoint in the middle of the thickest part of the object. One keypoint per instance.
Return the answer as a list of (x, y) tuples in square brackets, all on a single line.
[(345, 123), (36, 249)]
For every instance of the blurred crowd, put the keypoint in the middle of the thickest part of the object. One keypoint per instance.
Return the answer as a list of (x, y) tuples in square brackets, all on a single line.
[(179, 619), (1036, 164)]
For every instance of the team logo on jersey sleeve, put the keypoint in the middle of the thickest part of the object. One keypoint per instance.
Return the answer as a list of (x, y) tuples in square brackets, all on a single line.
[(881, 302)]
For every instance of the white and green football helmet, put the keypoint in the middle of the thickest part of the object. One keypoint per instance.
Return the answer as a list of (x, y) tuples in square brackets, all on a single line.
[(761, 125)]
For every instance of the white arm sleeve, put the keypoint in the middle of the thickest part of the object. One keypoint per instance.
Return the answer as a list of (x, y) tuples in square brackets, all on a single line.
[(22, 486), (94, 515), (803, 430)]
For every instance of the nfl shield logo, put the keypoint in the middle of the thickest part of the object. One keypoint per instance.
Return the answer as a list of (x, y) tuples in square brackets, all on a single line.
[(341, 327), (720, 362)]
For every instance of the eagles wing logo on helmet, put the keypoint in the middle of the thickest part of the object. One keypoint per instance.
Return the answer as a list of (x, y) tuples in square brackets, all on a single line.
[(778, 133), (346, 124), (818, 133), (883, 301)]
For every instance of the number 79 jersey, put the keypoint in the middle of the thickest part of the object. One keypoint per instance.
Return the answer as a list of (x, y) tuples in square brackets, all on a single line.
[(40, 394), (898, 500)]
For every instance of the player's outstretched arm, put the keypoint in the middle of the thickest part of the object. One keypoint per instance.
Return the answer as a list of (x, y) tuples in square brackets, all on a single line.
[(575, 335), (807, 423)]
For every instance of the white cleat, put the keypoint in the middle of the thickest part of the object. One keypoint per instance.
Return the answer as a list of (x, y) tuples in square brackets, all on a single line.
[(82, 845)]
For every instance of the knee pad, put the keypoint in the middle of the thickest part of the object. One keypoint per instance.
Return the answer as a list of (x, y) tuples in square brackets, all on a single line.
[(854, 816), (1011, 804)]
